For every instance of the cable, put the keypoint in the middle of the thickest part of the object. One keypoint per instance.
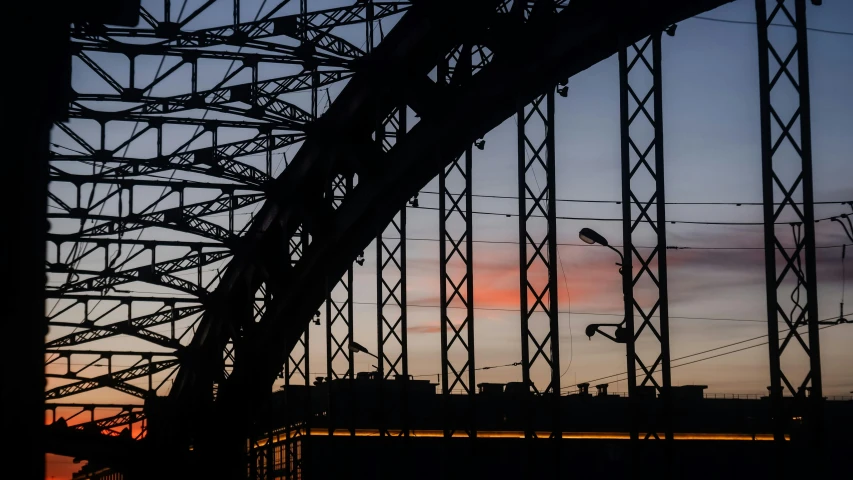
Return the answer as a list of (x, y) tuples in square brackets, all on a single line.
[(571, 337), (565, 280), (618, 202), (671, 247), (514, 364), (515, 310), (707, 351), (797, 268), (745, 22), (843, 283), (593, 219)]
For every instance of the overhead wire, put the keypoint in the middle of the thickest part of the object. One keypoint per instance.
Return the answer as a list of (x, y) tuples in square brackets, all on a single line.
[(604, 219), (706, 351), (574, 312), (670, 247), (618, 202), (747, 22)]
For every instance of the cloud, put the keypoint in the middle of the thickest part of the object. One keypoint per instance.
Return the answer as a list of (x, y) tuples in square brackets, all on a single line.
[(588, 280), (421, 329)]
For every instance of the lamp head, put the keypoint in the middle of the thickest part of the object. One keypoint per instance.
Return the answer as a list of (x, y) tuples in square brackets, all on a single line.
[(591, 237), (480, 144), (354, 347), (670, 30)]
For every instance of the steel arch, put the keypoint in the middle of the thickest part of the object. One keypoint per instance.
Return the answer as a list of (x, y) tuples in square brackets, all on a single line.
[(568, 42)]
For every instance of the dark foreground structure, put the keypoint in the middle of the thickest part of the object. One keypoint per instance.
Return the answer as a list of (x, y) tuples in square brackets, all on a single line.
[(373, 428), (370, 434)]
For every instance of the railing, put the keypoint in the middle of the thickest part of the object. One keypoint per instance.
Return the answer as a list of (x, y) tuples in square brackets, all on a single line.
[(739, 396)]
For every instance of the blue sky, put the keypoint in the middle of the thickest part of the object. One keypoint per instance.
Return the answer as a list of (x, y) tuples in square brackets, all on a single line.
[(712, 154)]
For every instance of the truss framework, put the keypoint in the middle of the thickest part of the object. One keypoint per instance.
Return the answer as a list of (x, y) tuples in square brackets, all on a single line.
[(391, 315), (790, 264), (115, 421), (643, 213), (537, 228), (456, 263), (160, 168)]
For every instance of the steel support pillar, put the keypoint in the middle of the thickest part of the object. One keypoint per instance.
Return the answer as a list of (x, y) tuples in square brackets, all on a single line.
[(391, 314), (789, 249), (339, 321), (537, 225), (288, 454), (457, 291), (644, 214), (457, 272)]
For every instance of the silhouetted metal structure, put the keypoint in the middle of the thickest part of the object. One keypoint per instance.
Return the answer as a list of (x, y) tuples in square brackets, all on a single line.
[(164, 187), (537, 206), (796, 207), (644, 206)]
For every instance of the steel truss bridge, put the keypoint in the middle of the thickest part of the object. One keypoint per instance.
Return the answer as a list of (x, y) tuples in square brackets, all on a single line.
[(214, 186)]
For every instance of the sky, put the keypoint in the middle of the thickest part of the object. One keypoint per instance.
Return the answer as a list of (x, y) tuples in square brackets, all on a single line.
[(712, 154)]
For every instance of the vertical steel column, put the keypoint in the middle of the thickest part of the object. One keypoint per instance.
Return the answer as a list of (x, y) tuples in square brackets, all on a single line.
[(260, 452), (368, 26), (537, 224), (642, 188), (457, 271), (297, 365), (783, 149), (391, 315), (339, 319), (296, 372)]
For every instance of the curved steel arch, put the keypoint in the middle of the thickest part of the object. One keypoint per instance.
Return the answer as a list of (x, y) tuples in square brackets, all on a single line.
[(565, 43)]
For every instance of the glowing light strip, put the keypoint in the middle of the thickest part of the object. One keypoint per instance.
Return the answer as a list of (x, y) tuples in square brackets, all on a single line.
[(322, 432)]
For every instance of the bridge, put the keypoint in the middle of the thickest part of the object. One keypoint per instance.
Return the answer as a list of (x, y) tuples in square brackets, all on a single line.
[(220, 173)]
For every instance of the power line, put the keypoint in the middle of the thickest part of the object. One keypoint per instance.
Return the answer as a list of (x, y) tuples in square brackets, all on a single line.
[(671, 247), (515, 310), (707, 351), (746, 22), (594, 219), (618, 202)]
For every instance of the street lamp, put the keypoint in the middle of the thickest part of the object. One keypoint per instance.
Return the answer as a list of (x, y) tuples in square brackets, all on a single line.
[(591, 237), (354, 347)]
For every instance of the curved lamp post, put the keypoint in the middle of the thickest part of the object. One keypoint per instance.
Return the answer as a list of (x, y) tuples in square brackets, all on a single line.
[(591, 237)]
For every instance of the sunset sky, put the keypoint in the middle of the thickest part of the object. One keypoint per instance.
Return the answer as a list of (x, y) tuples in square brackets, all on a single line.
[(712, 151)]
